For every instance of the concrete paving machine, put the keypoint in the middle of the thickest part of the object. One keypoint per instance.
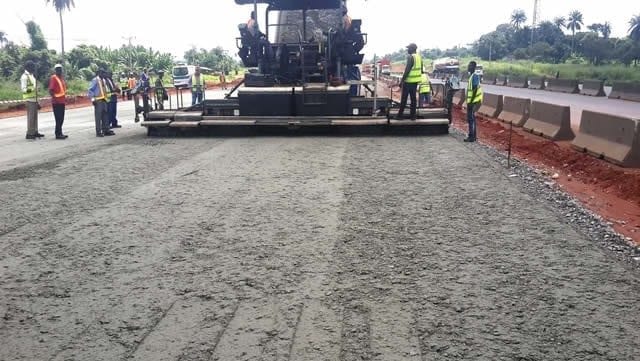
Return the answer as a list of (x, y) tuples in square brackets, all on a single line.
[(306, 76)]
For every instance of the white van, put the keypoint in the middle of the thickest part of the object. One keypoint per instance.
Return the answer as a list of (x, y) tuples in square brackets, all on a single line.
[(182, 75)]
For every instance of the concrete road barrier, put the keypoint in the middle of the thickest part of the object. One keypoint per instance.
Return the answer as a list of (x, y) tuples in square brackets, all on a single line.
[(563, 85), (550, 121), (613, 138), (593, 87), (515, 111), (537, 83), (489, 80), (626, 91), (491, 105), (518, 82)]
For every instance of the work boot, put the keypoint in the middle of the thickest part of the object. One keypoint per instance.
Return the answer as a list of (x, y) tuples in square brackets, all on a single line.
[(30, 137), (469, 140), (39, 135)]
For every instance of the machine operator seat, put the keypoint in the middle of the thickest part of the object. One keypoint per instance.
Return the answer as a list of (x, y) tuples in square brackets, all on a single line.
[(256, 50)]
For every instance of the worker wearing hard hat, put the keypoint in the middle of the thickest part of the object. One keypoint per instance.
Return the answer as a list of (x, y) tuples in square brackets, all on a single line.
[(425, 91), (29, 86), (474, 99), (410, 79)]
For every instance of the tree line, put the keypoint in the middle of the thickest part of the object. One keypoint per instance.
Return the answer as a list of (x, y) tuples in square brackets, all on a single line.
[(561, 40), (83, 61)]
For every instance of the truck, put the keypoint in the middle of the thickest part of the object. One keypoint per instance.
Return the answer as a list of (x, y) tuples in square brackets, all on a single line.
[(446, 66), (303, 78)]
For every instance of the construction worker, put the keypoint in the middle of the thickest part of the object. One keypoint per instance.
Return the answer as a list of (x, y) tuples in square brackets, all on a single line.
[(112, 100), (160, 91), (58, 92), (143, 91), (474, 99), (223, 80), (346, 19), (29, 87), (410, 79), (252, 25), (135, 93), (98, 94), (197, 87), (131, 84), (425, 91)]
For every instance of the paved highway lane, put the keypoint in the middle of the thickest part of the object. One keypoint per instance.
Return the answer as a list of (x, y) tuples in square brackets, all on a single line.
[(577, 102)]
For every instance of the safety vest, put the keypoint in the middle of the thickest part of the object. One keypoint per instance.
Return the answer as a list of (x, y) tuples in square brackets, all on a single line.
[(31, 87), (196, 83), (62, 89), (109, 89), (103, 94), (132, 83), (478, 98), (415, 75), (124, 83), (425, 86)]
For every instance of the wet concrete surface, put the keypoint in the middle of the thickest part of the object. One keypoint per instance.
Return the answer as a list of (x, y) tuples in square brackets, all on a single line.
[(292, 248)]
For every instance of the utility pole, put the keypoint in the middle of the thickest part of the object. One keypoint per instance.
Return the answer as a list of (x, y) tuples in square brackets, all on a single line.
[(536, 17)]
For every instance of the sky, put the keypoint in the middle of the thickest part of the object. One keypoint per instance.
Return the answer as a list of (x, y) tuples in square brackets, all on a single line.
[(178, 26)]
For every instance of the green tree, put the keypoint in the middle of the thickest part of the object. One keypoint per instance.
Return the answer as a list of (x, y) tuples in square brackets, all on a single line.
[(595, 28), (605, 29), (634, 28), (60, 6), (35, 34), (560, 22), (3, 39), (518, 18), (574, 22)]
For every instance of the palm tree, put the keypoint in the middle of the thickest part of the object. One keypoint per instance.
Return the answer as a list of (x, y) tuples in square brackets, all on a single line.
[(574, 23), (3, 39), (634, 28), (560, 22), (605, 29), (62, 5), (518, 17)]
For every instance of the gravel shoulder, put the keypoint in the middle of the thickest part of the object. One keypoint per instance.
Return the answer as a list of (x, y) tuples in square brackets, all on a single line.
[(303, 248)]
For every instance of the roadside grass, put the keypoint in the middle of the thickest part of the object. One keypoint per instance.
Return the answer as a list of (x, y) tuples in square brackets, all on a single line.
[(609, 73)]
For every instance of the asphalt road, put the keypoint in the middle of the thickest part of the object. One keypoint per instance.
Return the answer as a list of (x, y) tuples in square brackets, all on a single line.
[(577, 102), (292, 248)]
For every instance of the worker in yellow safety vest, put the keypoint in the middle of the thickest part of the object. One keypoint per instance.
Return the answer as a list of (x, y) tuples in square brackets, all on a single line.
[(197, 87), (425, 91), (29, 89), (474, 100), (410, 79), (98, 95)]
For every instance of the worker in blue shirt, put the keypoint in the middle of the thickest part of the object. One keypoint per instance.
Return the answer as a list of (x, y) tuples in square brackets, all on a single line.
[(97, 92), (145, 88)]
